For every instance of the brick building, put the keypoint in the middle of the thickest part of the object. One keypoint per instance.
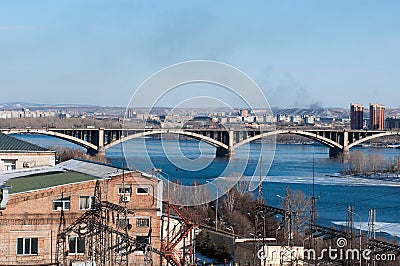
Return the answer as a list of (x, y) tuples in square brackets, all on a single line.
[(356, 116), (30, 218), (376, 116)]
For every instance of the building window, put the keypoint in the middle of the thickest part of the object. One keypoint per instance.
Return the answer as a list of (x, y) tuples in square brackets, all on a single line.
[(10, 165), (125, 190), (76, 245), (86, 202), (123, 223), (142, 222), (62, 204), (142, 240), (142, 190), (27, 246)]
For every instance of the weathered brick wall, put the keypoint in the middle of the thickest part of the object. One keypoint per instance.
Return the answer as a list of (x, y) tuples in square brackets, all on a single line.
[(31, 214)]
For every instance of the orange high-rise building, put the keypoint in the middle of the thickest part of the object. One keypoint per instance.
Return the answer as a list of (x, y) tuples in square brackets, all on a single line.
[(376, 117)]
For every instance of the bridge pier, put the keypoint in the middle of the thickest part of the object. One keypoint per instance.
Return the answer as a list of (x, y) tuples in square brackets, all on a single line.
[(100, 151), (221, 152), (335, 152), (91, 151)]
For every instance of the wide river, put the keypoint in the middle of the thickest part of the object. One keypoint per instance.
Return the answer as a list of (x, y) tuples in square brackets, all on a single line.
[(292, 166)]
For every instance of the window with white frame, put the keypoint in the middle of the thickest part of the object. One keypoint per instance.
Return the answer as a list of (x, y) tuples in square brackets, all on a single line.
[(10, 165), (86, 202), (76, 245), (142, 190), (62, 204), (27, 246), (143, 222)]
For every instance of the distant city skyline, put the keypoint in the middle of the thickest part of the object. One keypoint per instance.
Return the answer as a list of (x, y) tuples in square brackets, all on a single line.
[(303, 54)]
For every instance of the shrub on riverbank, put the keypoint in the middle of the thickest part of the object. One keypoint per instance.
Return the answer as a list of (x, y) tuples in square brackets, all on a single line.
[(65, 154), (371, 164)]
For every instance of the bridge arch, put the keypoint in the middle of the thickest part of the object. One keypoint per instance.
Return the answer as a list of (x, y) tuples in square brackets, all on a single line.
[(379, 135), (82, 143), (197, 136), (328, 142)]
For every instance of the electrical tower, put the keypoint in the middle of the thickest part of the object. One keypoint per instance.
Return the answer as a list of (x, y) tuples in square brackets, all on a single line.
[(259, 220), (287, 243), (371, 223), (371, 231), (104, 229)]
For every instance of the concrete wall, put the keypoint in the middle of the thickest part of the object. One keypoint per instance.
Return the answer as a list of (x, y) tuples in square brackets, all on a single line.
[(28, 159)]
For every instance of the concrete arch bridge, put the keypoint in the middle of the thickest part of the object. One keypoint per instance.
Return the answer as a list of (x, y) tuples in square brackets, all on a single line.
[(225, 141)]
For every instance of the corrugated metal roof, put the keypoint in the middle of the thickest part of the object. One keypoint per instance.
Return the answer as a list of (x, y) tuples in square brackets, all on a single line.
[(87, 170), (8, 143), (95, 169)]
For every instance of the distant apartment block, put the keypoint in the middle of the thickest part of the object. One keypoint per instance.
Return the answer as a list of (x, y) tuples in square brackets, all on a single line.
[(302, 120), (130, 113), (26, 113), (392, 123), (376, 117), (309, 119), (356, 116), (244, 113)]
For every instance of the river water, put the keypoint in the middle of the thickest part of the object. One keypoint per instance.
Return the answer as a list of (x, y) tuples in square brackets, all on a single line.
[(292, 166)]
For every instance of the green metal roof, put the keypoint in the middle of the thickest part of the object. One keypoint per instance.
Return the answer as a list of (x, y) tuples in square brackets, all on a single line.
[(34, 182), (8, 143)]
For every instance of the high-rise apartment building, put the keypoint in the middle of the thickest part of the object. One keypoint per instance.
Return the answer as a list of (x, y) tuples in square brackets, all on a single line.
[(376, 117), (244, 113), (356, 116)]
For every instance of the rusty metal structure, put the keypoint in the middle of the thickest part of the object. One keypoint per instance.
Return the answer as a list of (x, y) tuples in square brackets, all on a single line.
[(104, 229), (176, 235)]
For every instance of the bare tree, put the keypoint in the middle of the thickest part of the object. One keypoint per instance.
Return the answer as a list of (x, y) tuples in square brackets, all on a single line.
[(235, 194), (300, 205), (65, 154)]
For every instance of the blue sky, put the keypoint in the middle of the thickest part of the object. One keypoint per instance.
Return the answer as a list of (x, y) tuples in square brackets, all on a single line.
[(301, 53)]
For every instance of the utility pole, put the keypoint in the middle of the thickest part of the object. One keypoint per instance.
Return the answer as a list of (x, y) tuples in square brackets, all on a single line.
[(313, 219), (371, 229), (349, 225), (216, 206)]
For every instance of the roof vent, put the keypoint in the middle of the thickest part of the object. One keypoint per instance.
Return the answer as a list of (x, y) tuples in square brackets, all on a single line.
[(4, 196)]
